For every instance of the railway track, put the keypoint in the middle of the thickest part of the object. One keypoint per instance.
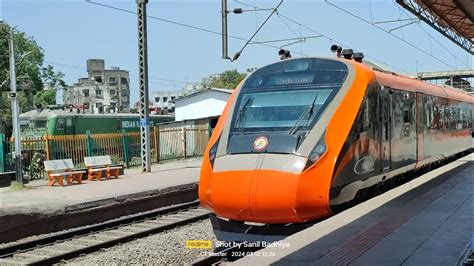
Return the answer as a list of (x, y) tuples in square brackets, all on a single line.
[(64, 246)]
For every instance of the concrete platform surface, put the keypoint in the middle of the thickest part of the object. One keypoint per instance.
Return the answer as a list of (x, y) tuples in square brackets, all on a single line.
[(426, 221), (37, 197)]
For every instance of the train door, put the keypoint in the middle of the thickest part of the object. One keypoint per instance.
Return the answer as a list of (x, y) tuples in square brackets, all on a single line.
[(385, 108), (419, 127)]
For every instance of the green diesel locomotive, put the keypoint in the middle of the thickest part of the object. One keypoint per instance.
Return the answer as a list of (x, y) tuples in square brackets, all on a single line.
[(60, 122)]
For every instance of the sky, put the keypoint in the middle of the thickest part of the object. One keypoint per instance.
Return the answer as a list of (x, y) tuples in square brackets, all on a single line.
[(72, 31)]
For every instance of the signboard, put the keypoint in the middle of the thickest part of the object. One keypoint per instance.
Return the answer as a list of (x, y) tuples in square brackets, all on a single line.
[(135, 123)]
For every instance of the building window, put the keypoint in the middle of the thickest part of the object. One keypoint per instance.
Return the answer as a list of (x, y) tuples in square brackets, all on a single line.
[(112, 92), (173, 97), (112, 80), (98, 92), (86, 93), (157, 99), (165, 99), (98, 79)]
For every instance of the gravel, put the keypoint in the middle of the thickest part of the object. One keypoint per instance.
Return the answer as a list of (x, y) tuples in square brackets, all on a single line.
[(35, 237), (163, 248)]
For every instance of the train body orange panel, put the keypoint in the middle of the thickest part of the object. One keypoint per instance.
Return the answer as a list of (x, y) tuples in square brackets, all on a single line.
[(301, 138), (247, 196), (204, 189)]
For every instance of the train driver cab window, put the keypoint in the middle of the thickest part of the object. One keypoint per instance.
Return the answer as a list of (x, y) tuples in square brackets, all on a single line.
[(24, 124), (60, 124), (41, 123)]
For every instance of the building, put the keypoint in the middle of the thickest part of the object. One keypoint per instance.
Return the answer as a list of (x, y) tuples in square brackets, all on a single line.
[(102, 91), (163, 101), (201, 104)]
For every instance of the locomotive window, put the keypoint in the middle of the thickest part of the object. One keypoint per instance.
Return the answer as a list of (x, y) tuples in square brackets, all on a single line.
[(60, 124), (41, 123), (24, 123)]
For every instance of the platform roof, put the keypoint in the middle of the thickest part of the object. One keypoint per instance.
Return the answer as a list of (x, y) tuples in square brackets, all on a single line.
[(452, 18)]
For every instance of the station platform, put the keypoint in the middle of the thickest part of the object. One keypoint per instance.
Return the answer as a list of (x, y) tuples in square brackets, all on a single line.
[(426, 221), (36, 202)]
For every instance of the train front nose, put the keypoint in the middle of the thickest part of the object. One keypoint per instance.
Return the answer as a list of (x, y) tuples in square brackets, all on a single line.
[(263, 190)]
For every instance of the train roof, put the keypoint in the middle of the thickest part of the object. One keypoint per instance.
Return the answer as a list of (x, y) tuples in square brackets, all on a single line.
[(410, 84), (398, 81)]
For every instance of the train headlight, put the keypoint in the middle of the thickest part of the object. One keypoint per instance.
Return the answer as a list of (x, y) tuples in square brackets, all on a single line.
[(319, 149), (213, 152)]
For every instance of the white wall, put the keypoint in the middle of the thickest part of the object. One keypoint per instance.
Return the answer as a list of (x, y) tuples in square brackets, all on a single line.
[(209, 103)]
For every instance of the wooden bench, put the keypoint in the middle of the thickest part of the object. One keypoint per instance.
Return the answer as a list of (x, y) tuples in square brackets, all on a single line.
[(58, 170), (97, 164)]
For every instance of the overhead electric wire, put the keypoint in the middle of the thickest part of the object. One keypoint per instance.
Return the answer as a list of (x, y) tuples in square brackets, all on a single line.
[(329, 38), (438, 42), (187, 25), (132, 77), (259, 28), (382, 29)]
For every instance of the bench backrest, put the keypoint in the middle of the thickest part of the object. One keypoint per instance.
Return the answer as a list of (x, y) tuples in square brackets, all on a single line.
[(97, 161), (57, 165)]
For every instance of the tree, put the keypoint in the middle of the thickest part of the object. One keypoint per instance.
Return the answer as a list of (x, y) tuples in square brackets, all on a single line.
[(227, 80), (31, 74)]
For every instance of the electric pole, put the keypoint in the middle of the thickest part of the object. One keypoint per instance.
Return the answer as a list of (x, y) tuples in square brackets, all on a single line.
[(143, 76), (15, 112)]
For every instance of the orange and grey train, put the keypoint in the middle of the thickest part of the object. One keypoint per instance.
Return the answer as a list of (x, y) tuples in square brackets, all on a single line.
[(301, 137)]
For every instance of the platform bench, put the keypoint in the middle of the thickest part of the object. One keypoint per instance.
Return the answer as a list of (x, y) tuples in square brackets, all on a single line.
[(58, 170), (98, 164)]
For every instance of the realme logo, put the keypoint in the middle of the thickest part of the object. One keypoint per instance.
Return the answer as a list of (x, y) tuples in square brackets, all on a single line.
[(203, 244)]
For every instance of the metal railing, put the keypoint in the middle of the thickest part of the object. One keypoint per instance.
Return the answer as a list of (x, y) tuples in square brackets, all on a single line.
[(123, 148)]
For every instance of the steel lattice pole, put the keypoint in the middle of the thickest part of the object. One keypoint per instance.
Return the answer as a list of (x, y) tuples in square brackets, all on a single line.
[(15, 112), (143, 75)]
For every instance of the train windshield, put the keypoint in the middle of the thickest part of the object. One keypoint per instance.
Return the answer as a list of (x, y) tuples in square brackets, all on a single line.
[(287, 96), (270, 110), (24, 124), (41, 123)]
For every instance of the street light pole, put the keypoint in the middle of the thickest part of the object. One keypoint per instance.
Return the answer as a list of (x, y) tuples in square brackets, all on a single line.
[(15, 112)]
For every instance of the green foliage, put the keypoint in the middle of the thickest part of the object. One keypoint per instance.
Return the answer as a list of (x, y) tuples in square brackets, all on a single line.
[(36, 168), (43, 98), (227, 80), (31, 75)]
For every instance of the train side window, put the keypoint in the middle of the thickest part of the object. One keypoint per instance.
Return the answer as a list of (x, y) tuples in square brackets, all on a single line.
[(436, 117), (60, 124), (441, 117), (406, 116), (447, 118), (365, 117), (469, 119)]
